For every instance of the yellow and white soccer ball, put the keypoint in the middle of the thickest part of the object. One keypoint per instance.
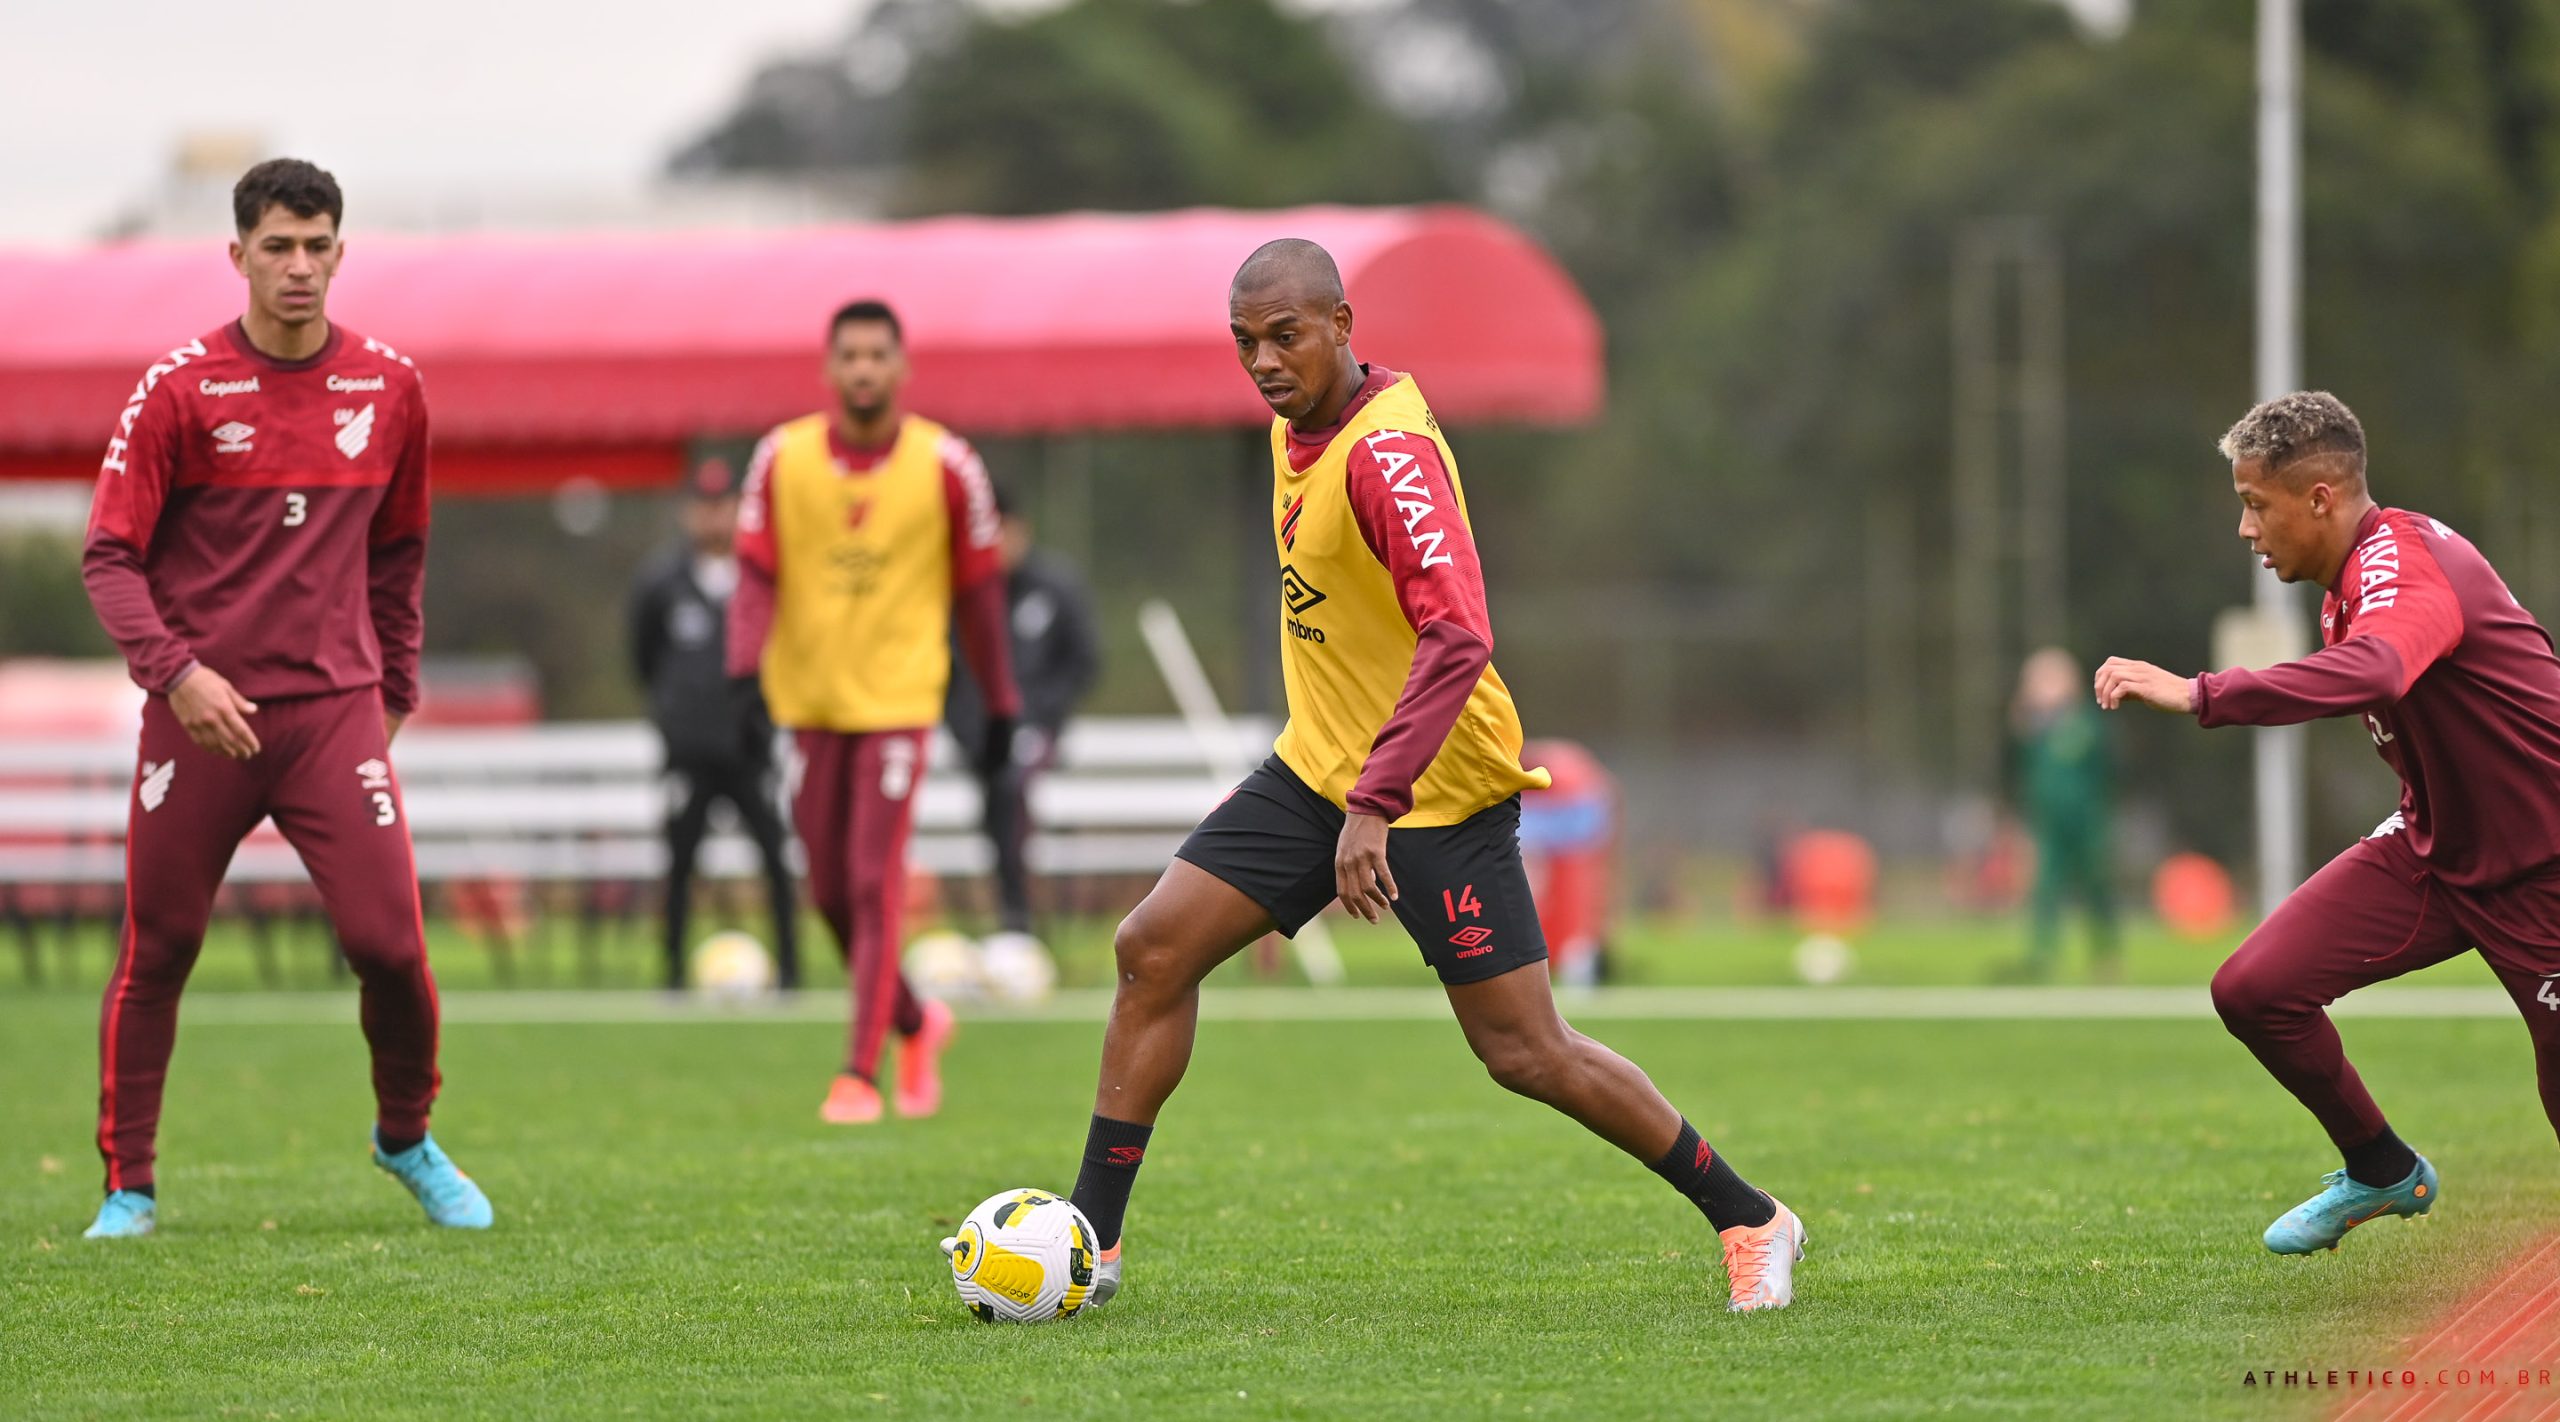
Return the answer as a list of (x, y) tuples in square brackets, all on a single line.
[(732, 967), (945, 966), (1025, 1256), (1016, 968)]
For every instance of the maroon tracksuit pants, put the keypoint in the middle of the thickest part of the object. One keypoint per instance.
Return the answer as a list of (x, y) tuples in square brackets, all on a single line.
[(322, 772), (854, 810), (2375, 912)]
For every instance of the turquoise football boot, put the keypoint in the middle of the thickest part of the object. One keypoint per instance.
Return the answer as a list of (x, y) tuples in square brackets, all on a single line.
[(127, 1214), (448, 1195), (2324, 1219)]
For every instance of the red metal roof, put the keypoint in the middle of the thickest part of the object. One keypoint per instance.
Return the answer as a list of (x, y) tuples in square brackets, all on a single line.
[(602, 354)]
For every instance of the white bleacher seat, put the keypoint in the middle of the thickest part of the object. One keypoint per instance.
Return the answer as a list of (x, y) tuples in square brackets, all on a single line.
[(582, 802)]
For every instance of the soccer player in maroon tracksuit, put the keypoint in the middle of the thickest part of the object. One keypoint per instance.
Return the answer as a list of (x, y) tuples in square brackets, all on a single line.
[(2459, 688), (257, 549)]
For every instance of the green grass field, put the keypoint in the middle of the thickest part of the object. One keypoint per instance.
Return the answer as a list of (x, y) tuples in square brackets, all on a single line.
[(2049, 1219), (1905, 952)]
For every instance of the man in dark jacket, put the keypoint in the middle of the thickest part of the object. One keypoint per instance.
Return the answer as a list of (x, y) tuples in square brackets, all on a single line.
[(1057, 654), (719, 742)]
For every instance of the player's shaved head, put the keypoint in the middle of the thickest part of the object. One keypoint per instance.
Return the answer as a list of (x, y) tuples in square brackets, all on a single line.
[(1290, 267), (1292, 330)]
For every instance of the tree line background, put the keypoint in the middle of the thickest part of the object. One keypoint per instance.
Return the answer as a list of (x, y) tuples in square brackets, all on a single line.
[(1740, 581)]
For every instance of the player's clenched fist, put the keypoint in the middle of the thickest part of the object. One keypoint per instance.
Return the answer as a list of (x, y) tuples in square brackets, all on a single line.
[(215, 714), (2123, 679)]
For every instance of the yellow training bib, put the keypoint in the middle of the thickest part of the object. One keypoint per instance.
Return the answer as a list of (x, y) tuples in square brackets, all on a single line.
[(1345, 647), (862, 597)]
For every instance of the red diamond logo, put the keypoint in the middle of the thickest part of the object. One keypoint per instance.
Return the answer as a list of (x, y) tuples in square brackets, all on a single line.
[(1470, 937)]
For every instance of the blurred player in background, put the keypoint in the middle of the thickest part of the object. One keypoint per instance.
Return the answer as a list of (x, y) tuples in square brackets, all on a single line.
[(257, 549), (717, 738), (1395, 786), (1057, 654), (2065, 788), (2458, 687), (867, 536)]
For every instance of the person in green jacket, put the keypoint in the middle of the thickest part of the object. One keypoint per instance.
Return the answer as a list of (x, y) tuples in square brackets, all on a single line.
[(2064, 788)]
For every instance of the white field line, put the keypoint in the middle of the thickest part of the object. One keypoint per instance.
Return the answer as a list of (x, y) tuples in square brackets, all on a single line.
[(1280, 1004)]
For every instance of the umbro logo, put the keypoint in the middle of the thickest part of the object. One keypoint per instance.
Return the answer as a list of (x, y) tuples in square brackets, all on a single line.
[(355, 431), (232, 438), (375, 775), (1297, 592), (155, 783), (1473, 942)]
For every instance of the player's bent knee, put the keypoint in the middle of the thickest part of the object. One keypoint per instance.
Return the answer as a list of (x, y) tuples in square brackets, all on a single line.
[(2243, 992), (375, 957), (1147, 955), (1525, 1067)]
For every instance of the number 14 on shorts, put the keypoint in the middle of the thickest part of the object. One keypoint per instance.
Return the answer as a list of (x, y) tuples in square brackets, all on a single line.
[(2549, 993), (1464, 901)]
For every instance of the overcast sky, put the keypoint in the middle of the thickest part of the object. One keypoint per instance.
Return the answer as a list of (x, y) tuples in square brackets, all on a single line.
[(423, 97), (427, 94)]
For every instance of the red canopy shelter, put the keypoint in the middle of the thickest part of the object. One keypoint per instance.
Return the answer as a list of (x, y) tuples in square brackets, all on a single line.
[(603, 355)]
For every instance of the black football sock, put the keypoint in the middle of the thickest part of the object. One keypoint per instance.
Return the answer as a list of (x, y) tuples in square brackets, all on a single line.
[(389, 1146), (1697, 1171), (2382, 1162), (1113, 1151)]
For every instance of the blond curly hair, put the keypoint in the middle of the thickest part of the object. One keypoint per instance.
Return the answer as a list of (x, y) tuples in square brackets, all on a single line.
[(2289, 429)]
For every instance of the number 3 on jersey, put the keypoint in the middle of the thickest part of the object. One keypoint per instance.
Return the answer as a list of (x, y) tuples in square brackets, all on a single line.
[(297, 508)]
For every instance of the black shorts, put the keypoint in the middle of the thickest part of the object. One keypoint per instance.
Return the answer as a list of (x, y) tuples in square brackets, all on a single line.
[(1462, 892)]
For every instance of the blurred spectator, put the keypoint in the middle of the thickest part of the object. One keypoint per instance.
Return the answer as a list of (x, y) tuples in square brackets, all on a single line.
[(719, 741), (2065, 792), (1569, 840), (1057, 654)]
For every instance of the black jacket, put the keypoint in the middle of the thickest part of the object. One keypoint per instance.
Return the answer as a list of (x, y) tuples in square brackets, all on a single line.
[(679, 641), (1057, 651)]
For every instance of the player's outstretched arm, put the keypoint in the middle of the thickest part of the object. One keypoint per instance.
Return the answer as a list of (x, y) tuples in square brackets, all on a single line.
[(2122, 679), (2407, 617)]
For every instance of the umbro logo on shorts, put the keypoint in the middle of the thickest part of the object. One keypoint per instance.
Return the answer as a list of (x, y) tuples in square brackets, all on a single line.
[(375, 775), (1473, 942)]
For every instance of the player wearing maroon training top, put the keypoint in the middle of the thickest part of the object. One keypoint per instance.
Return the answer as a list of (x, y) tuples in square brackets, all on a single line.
[(2461, 692), (257, 547)]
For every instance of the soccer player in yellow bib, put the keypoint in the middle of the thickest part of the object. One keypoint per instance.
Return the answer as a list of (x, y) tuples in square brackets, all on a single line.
[(1394, 786), (866, 536)]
